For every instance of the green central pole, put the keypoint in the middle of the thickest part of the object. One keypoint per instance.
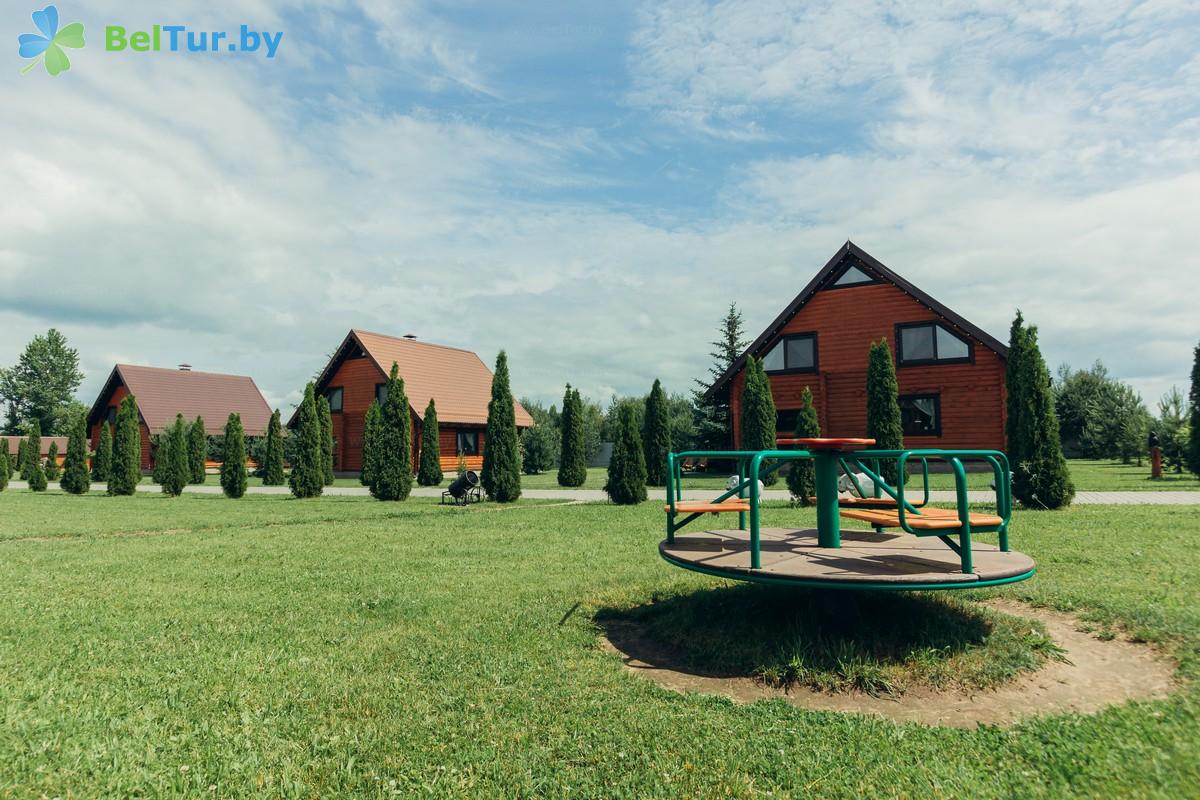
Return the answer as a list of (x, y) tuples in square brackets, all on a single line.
[(829, 525)]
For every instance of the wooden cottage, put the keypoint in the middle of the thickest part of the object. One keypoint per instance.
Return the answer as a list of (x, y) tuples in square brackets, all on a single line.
[(951, 373), (457, 380), (161, 394)]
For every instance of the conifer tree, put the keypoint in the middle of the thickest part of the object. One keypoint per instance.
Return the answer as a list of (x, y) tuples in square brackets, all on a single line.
[(883, 406), (1041, 478), (1016, 421), (656, 435), (272, 466), (5, 466), (37, 476), (758, 413), (326, 418), (712, 418), (171, 459), (75, 477), (1193, 450), (197, 451), (33, 451), (370, 449), (10, 462), (430, 472), (102, 460), (801, 478), (19, 466), (308, 466), (572, 464), (52, 462), (627, 469), (392, 477), (125, 471), (233, 458), (501, 473)]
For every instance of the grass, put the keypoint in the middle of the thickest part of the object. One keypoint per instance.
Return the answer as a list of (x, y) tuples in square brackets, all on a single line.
[(864, 641), (340, 646)]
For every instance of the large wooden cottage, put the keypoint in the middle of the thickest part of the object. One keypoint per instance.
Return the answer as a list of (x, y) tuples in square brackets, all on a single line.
[(161, 394), (457, 380), (950, 372)]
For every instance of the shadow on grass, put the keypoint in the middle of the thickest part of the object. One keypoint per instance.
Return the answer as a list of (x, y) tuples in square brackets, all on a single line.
[(877, 642)]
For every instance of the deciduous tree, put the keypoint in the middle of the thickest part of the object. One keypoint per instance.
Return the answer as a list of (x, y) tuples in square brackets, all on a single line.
[(41, 385)]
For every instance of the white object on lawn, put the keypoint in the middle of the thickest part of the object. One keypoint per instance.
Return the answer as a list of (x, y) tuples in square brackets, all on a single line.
[(734, 480), (847, 485)]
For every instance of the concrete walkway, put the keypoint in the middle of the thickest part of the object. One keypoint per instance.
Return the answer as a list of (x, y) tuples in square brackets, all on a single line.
[(598, 495)]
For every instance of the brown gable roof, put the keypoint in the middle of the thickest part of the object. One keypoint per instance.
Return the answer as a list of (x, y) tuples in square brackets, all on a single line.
[(163, 393), (849, 255), (458, 380), (11, 442)]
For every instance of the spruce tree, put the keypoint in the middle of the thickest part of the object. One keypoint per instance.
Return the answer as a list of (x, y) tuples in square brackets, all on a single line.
[(308, 466), (326, 418), (758, 413), (370, 448), (33, 451), (1193, 450), (52, 462), (197, 451), (1041, 479), (430, 472), (572, 464), (125, 471), (1016, 421), (37, 476), (272, 466), (656, 435), (233, 459), (102, 460), (883, 406), (801, 478), (172, 458), (711, 417), (75, 477), (501, 473), (627, 469), (392, 477)]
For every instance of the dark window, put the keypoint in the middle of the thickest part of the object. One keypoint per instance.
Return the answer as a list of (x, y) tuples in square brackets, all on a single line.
[(111, 416), (921, 414), (334, 396), (381, 393), (468, 443), (785, 422), (930, 343), (796, 353)]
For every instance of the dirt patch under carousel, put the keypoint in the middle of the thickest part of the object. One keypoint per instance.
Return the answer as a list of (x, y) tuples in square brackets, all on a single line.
[(1096, 673)]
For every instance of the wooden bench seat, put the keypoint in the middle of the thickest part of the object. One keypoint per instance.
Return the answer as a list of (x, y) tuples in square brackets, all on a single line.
[(930, 519), (704, 507)]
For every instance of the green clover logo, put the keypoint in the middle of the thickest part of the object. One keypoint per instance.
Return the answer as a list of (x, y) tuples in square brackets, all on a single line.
[(50, 42)]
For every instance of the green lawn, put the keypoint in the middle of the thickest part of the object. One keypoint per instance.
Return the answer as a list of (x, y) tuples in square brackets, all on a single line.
[(271, 647)]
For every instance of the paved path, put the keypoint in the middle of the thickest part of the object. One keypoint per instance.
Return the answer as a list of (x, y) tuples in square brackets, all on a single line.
[(598, 495)]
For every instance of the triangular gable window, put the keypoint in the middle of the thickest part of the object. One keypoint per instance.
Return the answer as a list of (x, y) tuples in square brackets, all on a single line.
[(852, 277)]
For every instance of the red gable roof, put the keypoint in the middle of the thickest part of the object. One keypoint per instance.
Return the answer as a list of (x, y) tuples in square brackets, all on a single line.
[(163, 393)]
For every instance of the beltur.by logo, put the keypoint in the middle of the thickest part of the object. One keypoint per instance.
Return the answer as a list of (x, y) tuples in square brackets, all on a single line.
[(47, 47), (178, 38)]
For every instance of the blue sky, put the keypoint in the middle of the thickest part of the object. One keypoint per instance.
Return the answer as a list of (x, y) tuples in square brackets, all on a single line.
[(588, 185)]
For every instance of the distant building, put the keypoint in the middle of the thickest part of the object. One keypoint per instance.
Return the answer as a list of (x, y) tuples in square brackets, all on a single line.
[(458, 381), (161, 394), (951, 373)]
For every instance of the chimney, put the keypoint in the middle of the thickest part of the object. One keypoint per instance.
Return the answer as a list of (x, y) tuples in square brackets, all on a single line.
[(411, 336), (185, 367)]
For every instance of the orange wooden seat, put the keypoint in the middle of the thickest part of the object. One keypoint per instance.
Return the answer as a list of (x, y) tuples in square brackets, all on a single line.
[(931, 519), (703, 507)]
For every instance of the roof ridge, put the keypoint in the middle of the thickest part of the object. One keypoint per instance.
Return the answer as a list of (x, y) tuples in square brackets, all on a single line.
[(415, 341), (186, 371)]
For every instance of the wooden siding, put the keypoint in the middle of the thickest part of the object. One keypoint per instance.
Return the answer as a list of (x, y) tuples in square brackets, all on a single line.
[(114, 402), (357, 378), (846, 321)]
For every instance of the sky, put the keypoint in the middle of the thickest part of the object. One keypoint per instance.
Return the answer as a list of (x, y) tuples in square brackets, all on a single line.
[(588, 186)]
